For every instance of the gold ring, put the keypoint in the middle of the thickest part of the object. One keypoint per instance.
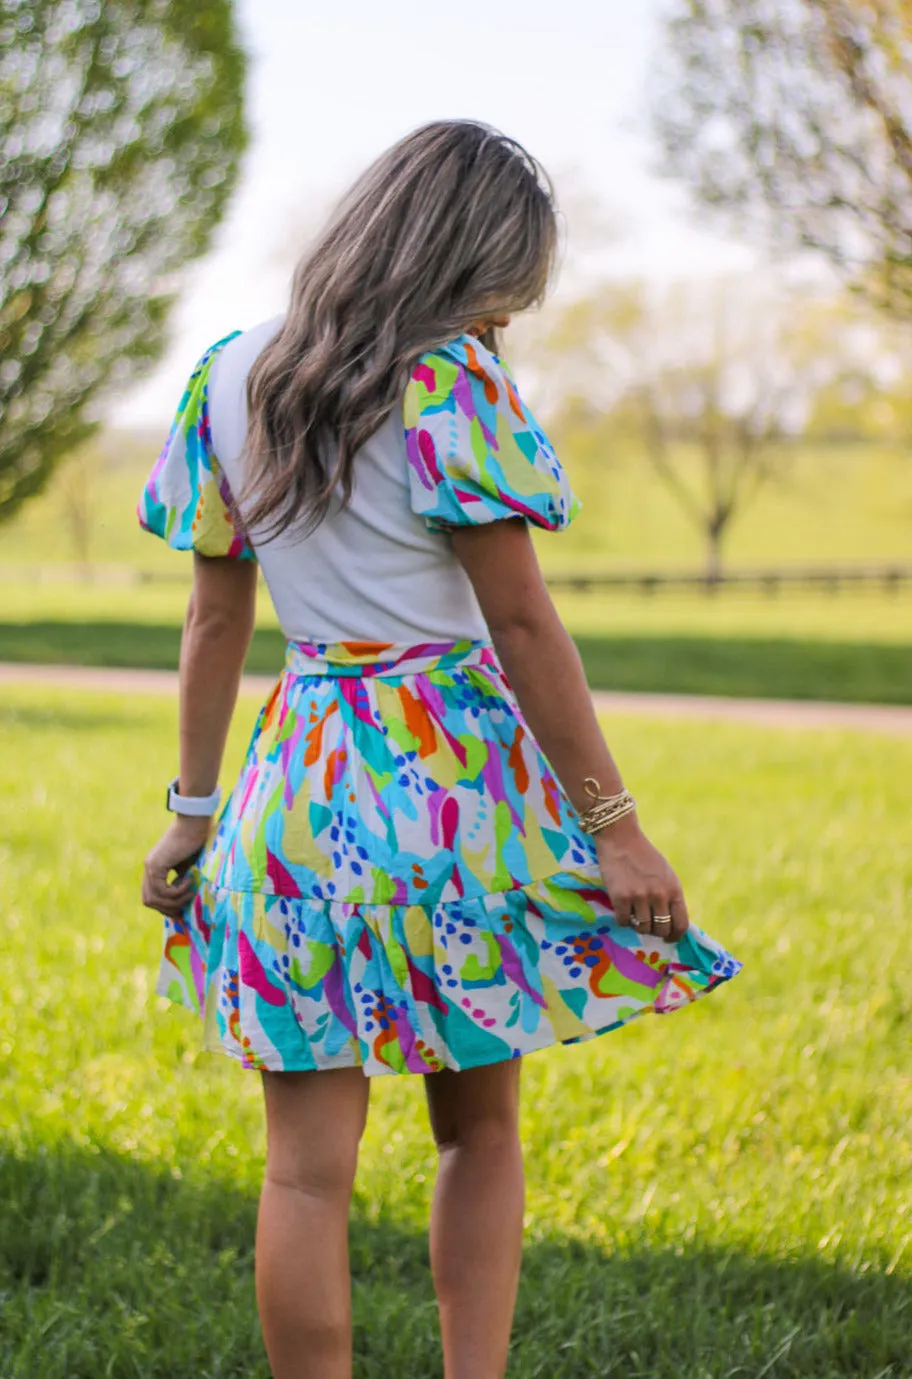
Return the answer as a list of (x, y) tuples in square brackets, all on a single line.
[(661, 919)]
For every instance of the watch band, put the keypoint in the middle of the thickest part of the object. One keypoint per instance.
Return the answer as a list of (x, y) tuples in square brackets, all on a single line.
[(199, 805)]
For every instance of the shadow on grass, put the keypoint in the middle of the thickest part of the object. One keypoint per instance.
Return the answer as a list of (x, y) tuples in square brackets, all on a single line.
[(112, 1266), (746, 666)]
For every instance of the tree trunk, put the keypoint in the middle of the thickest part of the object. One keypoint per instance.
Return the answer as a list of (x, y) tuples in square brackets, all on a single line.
[(713, 568)]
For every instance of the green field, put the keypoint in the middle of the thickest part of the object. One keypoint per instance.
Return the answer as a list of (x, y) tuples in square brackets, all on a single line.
[(830, 504), (844, 504), (720, 1193), (850, 648)]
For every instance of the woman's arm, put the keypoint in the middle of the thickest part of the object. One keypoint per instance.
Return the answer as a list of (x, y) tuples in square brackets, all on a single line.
[(217, 632), (545, 671), (215, 641)]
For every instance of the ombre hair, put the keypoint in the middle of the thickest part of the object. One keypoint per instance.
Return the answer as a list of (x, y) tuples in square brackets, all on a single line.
[(453, 223)]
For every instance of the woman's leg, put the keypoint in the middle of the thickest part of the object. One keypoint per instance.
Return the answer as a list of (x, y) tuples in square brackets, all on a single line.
[(477, 1216), (314, 1121)]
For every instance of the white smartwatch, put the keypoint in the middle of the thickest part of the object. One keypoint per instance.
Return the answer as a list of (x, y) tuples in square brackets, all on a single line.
[(198, 805)]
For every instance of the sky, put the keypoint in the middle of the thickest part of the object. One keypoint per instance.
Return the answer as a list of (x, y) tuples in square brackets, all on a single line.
[(331, 86)]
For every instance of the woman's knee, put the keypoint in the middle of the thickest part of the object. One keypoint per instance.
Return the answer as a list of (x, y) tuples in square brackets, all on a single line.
[(314, 1130), (491, 1137), (475, 1110)]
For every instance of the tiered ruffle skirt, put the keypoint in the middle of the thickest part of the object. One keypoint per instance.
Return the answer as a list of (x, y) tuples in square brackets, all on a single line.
[(398, 882)]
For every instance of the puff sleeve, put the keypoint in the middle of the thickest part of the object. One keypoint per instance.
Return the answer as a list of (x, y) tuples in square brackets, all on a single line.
[(475, 452), (186, 499)]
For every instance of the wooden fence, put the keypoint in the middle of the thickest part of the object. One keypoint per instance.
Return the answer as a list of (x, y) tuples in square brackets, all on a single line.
[(833, 579), (890, 577)]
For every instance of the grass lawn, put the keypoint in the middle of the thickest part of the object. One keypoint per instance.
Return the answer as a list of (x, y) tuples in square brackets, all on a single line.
[(720, 1193), (854, 647)]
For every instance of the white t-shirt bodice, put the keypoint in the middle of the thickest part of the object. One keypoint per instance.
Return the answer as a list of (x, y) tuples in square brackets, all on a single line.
[(372, 571), (460, 449)]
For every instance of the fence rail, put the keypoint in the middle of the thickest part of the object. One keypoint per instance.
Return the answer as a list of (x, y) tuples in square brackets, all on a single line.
[(832, 578), (889, 577)]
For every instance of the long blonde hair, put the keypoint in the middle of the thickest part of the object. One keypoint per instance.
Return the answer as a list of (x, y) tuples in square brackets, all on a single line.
[(454, 222)]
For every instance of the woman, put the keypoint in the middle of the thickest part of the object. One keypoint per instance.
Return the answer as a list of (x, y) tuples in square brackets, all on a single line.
[(429, 862)]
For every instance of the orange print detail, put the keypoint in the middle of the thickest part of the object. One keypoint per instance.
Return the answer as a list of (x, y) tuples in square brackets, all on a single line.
[(269, 707), (386, 1036), (359, 649), (329, 773), (490, 387), (517, 765), (651, 959), (418, 722), (428, 1054), (315, 738), (550, 792), (515, 404), (175, 941)]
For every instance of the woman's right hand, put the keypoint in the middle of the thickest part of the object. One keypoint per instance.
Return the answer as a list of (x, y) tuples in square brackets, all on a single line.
[(639, 881), (177, 850)]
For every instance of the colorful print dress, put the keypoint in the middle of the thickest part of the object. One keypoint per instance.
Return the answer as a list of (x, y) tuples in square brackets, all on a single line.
[(397, 881)]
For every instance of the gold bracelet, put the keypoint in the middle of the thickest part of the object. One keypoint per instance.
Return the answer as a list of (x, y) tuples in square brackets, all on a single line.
[(605, 809)]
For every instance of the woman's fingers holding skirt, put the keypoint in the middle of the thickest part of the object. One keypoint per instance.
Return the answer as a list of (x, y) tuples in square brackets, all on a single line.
[(642, 914), (622, 906), (680, 919), (157, 894)]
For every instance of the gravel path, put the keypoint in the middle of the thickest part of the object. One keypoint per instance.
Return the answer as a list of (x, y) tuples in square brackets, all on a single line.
[(776, 713)]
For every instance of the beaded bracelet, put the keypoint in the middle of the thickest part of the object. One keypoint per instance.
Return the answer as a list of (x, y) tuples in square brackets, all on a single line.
[(605, 809)]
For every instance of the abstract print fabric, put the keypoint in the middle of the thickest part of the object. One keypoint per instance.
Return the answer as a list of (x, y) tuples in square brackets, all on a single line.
[(398, 882), (186, 499), (476, 453)]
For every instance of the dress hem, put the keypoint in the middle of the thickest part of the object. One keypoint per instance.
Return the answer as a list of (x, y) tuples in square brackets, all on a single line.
[(382, 1070)]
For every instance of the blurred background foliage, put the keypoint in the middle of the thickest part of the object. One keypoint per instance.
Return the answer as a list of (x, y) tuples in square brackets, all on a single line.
[(121, 132), (793, 118), (722, 421)]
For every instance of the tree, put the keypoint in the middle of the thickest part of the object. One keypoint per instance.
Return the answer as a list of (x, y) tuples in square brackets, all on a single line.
[(121, 131), (796, 116), (77, 483), (714, 380)]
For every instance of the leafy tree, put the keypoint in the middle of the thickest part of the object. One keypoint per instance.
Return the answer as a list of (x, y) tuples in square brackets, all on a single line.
[(712, 381), (796, 115), (121, 131)]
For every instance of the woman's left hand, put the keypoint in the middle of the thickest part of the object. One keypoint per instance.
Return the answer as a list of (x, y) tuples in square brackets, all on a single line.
[(176, 850), (645, 892)]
